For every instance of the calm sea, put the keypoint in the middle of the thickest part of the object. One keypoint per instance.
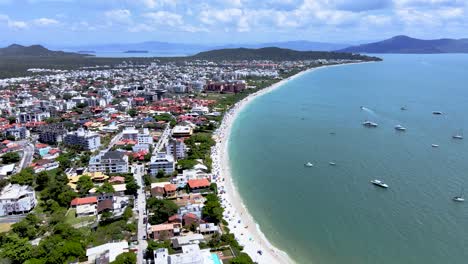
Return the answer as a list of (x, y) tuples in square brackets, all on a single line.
[(332, 214)]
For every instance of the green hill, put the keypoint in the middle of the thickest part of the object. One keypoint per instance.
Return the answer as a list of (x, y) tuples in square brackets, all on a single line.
[(275, 54)]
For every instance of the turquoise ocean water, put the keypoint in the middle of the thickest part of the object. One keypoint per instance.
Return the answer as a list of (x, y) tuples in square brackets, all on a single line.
[(332, 214)]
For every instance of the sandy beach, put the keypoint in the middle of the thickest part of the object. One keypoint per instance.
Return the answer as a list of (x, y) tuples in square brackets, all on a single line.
[(241, 223)]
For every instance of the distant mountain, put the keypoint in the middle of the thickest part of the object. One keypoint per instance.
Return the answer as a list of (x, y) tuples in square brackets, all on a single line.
[(16, 50), (275, 54), (405, 44), (189, 49), (300, 45)]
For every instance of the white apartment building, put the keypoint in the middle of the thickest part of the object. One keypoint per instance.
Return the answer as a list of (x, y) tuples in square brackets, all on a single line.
[(177, 149), (130, 133), (17, 199), (83, 138), (162, 161), (109, 162)]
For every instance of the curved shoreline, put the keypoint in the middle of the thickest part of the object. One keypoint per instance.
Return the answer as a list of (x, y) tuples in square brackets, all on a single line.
[(241, 223)]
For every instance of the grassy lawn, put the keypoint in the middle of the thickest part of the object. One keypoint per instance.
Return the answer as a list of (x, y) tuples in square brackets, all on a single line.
[(5, 227), (71, 218)]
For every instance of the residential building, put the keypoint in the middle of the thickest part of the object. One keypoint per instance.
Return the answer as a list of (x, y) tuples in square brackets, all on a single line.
[(162, 161), (191, 254), (165, 231), (32, 116), (106, 253), (85, 206), (195, 209), (52, 134), (18, 132), (180, 241), (84, 139), (177, 149), (198, 185), (109, 162), (144, 137), (17, 199), (182, 131)]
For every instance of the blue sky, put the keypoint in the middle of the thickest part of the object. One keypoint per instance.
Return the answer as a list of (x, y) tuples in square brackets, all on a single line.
[(71, 22)]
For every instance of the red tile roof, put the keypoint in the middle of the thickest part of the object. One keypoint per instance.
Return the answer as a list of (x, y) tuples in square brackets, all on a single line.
[(170, 187), (198, 183), (81, 201)]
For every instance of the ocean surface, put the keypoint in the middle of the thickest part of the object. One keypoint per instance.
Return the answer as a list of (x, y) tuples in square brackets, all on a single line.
[(332, 214)]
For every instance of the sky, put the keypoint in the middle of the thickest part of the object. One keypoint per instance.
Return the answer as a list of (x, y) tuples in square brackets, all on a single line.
[(78, 22)]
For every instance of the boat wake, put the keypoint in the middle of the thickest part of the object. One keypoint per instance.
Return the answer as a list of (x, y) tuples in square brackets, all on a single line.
[(368, 110)]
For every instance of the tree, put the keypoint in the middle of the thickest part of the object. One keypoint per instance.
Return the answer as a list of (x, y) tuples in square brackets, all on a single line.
[(84, 184), (11, 119), (11, 157), (131, 188), (3, 183), (105, 188), (160, 174), (24, 177), (27, 227), (15, 249), (186, 164), (42, 180), (212, 209), (161, 209), (132, 112), (125, 258), (243, 258)]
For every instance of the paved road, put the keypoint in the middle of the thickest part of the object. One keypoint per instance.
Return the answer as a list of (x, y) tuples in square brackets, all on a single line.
[(140, 205), (114, 140), (28, 153), (163, 139)]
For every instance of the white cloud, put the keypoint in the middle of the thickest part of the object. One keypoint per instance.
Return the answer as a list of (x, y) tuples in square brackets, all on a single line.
[(13, 24), (164, 18), (119, 16), (45, 21)]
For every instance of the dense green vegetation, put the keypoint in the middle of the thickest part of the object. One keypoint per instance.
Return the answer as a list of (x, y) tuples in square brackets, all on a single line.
[(11, 157), (199, 145), (125, 258), (276, 54), (161, 209), (212, 211)]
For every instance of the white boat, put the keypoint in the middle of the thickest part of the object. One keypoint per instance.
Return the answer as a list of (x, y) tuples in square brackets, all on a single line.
[(435, 145), (368, 123), (379, 183), (332, 163), (309, 164), (458, 135), (460, 197), (400, 128)]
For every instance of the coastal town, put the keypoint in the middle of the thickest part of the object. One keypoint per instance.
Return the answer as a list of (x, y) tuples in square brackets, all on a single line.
[(128, 163)]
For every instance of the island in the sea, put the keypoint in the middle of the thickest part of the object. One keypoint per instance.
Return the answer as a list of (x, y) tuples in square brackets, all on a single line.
[(136, 51)]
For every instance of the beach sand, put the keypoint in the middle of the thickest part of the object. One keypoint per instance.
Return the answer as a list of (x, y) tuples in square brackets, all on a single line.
[(241, 223)]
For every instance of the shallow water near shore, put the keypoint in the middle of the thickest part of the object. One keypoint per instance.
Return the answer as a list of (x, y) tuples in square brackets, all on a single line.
[(332, 214)]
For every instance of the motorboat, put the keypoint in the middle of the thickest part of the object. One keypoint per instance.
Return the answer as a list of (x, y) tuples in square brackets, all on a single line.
[(459, 198), (435, 145), (332, 163), (400, 128), (458, 135), (379, 183), (309, 164), (368, 123), (403, 108), (437, 113)]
